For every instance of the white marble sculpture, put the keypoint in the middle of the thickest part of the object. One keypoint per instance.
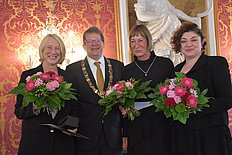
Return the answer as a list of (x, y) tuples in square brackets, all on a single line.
[(162, 19)]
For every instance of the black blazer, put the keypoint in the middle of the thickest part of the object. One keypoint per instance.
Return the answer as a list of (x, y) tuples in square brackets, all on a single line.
[(39, 140), (92, 123), (211, 72)]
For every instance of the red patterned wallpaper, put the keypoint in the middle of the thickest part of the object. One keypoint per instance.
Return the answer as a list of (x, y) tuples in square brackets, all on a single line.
[(20, 25), (225, 29), (224, 15)]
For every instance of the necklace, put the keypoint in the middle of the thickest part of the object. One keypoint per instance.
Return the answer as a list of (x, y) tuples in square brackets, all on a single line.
[(145, 72), (89, 81)]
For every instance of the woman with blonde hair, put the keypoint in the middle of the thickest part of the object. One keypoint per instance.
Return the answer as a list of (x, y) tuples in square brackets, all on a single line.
[(36, 139)]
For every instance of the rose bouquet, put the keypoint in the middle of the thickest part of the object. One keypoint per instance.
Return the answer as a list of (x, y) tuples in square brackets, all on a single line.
[(179, 97), (124, 93), (45, 90)]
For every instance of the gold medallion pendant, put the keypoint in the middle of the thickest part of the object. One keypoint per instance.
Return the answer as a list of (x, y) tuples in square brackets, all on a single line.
[(96, 91)]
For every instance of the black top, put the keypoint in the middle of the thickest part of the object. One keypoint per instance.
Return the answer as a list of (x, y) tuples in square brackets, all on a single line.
[(207, 132), (149, 133)]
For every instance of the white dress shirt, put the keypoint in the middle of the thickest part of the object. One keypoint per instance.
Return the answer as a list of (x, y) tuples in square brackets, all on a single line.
[(94, 68)]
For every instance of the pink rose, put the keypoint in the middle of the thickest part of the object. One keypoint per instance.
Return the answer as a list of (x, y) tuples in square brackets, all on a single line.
[(120, 87), (50, 73), (115, 86), (171, 94), (177, 99), (129, 85), (109, 91), (45, 76), (38, 73), (51, 86), (57, 78)]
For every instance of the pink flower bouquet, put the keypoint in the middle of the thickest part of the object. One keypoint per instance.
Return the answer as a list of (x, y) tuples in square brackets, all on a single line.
[(179, 97), (124, 93), (45, 90)]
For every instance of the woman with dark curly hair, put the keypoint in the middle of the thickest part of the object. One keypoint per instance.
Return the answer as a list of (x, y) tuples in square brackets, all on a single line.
[(206, 132)]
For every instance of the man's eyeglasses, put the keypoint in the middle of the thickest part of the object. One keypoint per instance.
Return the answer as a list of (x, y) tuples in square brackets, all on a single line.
[(96, 41)]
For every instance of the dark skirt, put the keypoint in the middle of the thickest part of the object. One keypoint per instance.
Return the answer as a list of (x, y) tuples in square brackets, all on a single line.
[(149, 134), (208, 141), (157, 144)]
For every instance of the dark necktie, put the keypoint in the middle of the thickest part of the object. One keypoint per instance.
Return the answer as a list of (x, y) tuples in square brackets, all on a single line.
[(100, 79)]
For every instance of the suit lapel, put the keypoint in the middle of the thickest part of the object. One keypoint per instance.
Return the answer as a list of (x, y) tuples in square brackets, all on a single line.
[(91, 77), (106, 75), (39, 68), (200, 62)]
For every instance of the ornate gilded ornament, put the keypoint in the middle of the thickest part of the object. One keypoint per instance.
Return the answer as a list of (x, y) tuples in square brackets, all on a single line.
[(89, 81)]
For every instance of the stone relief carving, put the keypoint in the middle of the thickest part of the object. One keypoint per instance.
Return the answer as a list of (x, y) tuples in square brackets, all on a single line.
[(162, 19)]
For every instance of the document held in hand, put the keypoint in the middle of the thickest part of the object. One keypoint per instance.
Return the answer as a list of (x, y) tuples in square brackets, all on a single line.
[(142, 105), (69, 122)]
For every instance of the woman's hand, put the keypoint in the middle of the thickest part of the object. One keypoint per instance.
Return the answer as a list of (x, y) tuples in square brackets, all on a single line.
[(123, 110), (124, 144), (70, 130)]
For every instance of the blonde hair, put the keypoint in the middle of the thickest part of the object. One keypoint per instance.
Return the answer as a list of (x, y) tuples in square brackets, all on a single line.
[(44, 43)]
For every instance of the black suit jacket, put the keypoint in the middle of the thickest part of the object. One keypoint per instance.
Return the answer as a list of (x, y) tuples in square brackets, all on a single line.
[(212, 73), (39, 140), (92, 123)]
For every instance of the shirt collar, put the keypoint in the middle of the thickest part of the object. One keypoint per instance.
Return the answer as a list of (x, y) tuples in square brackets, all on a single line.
[(91, 61)]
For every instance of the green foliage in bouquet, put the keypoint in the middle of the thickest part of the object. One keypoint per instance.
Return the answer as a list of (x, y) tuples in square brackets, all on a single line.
[(45, 90), (125, 93), (179, 97)]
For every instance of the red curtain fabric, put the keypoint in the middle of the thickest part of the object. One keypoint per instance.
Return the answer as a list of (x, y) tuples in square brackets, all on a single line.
[(21, 22), (224, 26)]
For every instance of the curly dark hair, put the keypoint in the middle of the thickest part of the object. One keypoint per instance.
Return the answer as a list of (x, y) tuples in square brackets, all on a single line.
[(185, 27)]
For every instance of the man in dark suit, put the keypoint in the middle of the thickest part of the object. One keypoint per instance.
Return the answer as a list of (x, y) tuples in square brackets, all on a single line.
[(104, 131)]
